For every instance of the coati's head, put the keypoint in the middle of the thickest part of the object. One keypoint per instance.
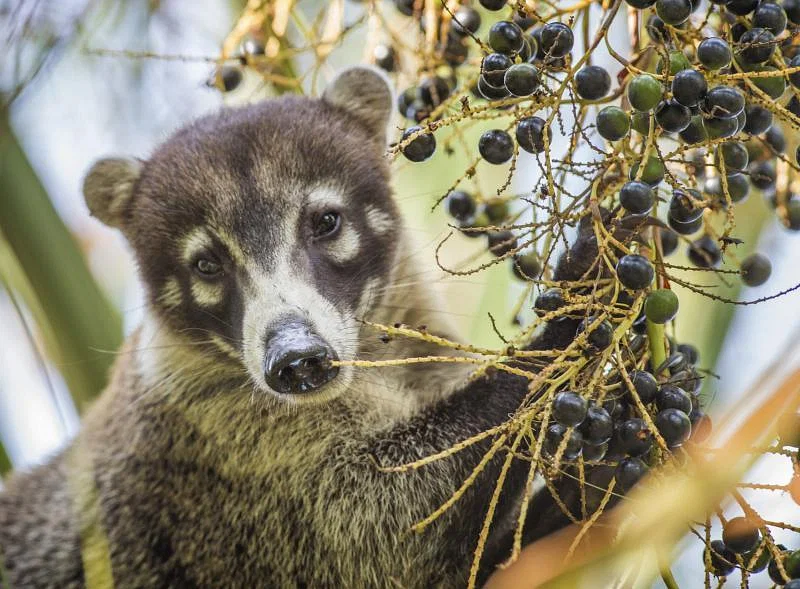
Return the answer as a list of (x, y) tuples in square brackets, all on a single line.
[(265, 232)]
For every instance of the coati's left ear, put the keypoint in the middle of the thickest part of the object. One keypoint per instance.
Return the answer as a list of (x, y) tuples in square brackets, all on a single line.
[(365, 93), (108, 188)]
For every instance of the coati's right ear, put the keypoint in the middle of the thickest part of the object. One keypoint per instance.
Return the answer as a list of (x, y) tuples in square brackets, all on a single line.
[(366, 94), (108, 188)]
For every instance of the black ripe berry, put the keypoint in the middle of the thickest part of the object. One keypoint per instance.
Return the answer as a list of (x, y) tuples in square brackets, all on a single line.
[(629, 472), (598, 426), (672, 116), (493, 69), (674, 426), (496, 146), (669, 241), (492, 4), (506, 37), (741, 7), (635, 437), (227, 78), (740, 534), (421, 147), (613, 123), (755, 269), (635, 272), (601, 333), (556, 39), (592, 82), (521, 79), (756, 46), (433, 90), (527, 266), (673, 12), (594, 452), (550, 300), (704, 252), (637, 197), (723, 559), (466, 20), (672, 397), (720, 128), (490, 92), (569, 408), (770, 16), (501, 242), (759, 119), (714, 53), (689, 87), (735, 156), (555, 435), (685, 206), (645, 385), (530, 134), (461, 206), (723, 102), (695, 131)]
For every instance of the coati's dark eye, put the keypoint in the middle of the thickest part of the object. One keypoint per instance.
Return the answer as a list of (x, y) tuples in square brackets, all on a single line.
[(327, 224), (208, 268)]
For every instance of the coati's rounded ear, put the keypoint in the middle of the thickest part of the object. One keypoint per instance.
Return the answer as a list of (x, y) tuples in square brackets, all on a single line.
[(108, 188), (365, 92)]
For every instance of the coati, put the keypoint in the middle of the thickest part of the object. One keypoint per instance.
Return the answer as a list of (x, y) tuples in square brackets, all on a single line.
[(227, 449)]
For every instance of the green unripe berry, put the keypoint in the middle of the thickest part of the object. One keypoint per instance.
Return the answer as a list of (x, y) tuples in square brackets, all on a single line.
[(661, 306), (644, 92)]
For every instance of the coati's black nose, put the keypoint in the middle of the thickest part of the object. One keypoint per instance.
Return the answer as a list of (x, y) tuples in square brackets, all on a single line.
[(297, 360)]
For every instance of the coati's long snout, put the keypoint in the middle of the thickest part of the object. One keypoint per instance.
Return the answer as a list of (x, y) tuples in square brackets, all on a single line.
[(296, 359)]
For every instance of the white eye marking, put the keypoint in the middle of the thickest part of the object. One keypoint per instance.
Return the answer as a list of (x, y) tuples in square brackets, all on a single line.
[(198, 240), (379, 221), (171, 295), (345, 246), (206, 294)]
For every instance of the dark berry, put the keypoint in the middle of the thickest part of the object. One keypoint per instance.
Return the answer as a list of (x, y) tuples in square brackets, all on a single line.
[(594, 452), (735, 156), (530, 134), (637, 197), (756, 46), (775, 138), (661, 305), (501, 242), (252, 46), (741, 534), (550, 300), (724, 102), (657, 29), (466, 20), (556, 39), (770, 16), (672, 116), (644, 92), (723, 560), (645, 385), (433, 90), (701, 426), (704, 252), (405, 7), (640, 4), (689, 87), (522, 79), (461, 206), (629, 472), (669, 241), (601, 335), (506, 37), (792, 217), (635, 272), (227, 78), (759, 119), (490, 92), (695, 131), (673, 12), (755, 269), (635, 437), (494, 67), (492, 4), (741, 7), (719, 128), (685, 206), (569, 408), (689, 352), (674, 426), (597, 427), (672, 397), (794, 77), (555, 435), (527, 266), (613, 123), (592, 82), (421, 147), (685, 228), (714, 53), (496, 146)]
